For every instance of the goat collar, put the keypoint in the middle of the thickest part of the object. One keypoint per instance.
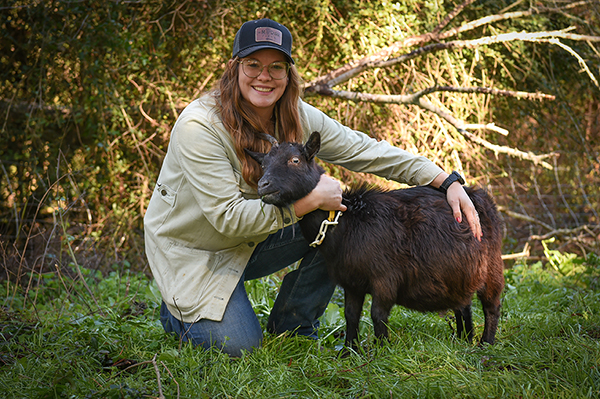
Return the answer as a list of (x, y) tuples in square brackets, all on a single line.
[(332, 220)]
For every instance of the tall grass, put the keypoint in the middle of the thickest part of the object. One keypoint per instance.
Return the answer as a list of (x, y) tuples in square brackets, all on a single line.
[(548, 346)]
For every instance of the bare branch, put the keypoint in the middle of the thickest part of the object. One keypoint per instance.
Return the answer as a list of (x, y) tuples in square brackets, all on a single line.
[(525, 218), (172, 377), (160, 392), (506, 16), (530, 156), (488, 90), (451, 16), (498, 149), (488, 126), (420, 40), (550, 37), (526, 253), (324, 85), (567, 232), (412, 98), (574, 54), (458, 124)]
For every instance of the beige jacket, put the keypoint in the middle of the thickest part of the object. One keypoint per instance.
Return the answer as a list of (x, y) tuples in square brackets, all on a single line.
[(203, 221)]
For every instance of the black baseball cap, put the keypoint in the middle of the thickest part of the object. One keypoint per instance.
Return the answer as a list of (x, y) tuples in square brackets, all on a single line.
[(261, 34)]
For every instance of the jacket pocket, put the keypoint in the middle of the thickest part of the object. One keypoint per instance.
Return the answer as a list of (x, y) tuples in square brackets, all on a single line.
[(191, 271), (166, 193)]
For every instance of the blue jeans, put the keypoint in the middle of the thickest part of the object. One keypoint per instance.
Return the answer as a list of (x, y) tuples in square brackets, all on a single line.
[(302, 298)]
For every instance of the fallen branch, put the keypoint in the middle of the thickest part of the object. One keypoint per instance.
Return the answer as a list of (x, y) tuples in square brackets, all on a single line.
[(506, 16), (160, 392), (174, 380)]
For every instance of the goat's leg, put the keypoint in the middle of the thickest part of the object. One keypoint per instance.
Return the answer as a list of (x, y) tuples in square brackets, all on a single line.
[(491, 313), (380, 311), (464, 323), (489, 296), (352, 309)]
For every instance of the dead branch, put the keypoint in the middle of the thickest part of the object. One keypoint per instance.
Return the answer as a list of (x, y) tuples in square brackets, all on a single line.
[(435, 35), (171, 374), (520, 216), (577, 234), (488, 90), (526, 253), (498, 149), (569, 232), (574, 54), (413, 98), (160, 392), (451, 16), (460, 126), (380, 60), (507, 16), (322, 86)]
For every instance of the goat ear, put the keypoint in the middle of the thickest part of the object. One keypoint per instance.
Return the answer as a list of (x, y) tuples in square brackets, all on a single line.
[(257, 156), (313, 145)]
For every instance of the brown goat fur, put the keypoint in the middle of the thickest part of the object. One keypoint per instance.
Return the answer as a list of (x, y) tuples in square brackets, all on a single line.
[(402, 247)]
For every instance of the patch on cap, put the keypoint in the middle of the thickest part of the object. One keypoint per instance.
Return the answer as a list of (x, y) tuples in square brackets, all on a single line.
[(267, 34)]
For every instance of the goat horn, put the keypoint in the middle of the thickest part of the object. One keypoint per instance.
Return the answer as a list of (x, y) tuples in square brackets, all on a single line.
[(268, 138)]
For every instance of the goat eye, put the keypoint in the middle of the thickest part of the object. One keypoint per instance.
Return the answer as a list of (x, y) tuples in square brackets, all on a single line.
[(295, 160)]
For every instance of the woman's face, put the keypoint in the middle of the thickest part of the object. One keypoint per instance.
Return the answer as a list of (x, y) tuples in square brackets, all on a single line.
[(262, 92)]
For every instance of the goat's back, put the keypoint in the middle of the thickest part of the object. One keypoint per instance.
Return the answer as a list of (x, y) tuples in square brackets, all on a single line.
[(406, 246)]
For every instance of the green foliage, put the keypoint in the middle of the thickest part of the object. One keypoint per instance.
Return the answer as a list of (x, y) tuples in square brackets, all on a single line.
[(90, 90), (61, 346), (88, 93)]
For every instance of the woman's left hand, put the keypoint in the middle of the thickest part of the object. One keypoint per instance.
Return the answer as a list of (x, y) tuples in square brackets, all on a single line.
[(459, 200)]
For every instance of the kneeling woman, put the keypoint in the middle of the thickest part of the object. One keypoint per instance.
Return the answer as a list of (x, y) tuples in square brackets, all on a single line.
[(207, 231)]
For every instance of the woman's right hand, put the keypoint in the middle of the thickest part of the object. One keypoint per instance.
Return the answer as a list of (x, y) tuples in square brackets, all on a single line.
[(327, 195)]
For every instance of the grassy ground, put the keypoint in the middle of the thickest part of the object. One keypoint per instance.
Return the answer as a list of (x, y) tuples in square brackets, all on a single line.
[(58, 342)]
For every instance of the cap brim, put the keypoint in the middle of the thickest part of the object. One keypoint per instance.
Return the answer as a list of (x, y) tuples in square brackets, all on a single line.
[(247, 51)]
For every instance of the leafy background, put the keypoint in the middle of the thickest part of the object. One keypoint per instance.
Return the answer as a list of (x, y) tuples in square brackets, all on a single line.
[(88, 93)]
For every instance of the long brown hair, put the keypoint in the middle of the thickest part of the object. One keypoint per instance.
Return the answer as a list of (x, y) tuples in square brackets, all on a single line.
[(243, 124)]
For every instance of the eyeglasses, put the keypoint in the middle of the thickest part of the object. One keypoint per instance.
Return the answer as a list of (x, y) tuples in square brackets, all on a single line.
[(253, 68)]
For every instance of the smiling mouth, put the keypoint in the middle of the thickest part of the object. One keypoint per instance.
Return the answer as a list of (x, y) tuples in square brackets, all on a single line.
[(263, 89)]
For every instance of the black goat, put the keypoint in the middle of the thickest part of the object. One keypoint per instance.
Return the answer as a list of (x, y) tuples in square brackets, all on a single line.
[(403, 247)]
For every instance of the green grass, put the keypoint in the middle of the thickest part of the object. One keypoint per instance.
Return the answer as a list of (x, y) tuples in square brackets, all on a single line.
[(56, 342)]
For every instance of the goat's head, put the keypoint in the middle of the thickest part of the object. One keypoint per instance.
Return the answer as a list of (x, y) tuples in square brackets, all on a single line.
[(289, 171)]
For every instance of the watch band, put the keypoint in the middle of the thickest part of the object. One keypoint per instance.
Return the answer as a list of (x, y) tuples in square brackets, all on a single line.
[(454, 176)]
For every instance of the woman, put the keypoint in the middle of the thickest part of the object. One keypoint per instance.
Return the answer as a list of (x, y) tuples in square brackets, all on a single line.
[(206, 229)]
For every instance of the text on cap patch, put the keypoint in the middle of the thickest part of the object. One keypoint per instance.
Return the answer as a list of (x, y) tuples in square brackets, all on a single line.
[(267, 34)]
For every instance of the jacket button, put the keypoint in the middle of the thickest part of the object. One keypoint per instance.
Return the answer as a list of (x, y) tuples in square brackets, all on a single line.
[(163, 192), (287, 220), (251, 244)]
